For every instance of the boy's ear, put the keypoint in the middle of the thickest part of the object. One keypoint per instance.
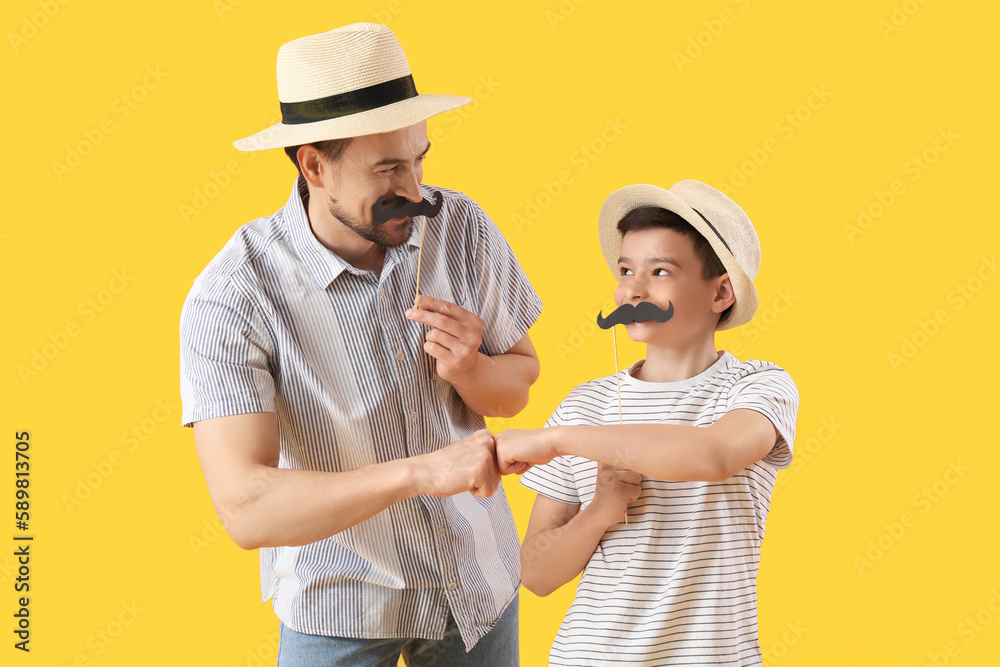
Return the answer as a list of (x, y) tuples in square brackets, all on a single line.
[(724, 295)]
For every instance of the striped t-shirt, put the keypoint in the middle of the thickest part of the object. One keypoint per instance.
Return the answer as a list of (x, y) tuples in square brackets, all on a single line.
[(279, 323), (677, 585)]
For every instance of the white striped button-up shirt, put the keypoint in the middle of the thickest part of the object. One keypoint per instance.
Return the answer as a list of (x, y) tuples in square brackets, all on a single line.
[(279, 323)]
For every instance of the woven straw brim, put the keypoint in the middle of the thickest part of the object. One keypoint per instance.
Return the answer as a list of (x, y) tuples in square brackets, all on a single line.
[(389, 118), (620, 202)]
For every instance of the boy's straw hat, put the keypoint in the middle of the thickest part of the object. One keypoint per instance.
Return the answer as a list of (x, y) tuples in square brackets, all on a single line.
[(348, 82), (716, 217)]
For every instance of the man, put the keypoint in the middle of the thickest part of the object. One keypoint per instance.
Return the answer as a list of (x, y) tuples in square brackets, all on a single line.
[(339, 427)]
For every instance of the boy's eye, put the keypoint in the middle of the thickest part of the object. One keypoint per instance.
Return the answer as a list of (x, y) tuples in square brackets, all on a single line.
[(660, 272), (624, 271)]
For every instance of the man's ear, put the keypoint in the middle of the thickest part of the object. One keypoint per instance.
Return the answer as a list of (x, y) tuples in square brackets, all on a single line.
[(724, 295), (312, 165)]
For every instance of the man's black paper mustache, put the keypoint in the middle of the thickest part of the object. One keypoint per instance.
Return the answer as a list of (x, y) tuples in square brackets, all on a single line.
[(383, 211), (641, 312)]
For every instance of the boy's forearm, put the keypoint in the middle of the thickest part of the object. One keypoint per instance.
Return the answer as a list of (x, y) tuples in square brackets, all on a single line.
[(553, 557), (661, 451)]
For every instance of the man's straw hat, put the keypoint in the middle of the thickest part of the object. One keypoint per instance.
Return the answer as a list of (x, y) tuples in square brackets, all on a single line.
[(347, 82)]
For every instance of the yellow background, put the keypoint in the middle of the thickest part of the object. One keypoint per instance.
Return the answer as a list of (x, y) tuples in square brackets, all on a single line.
[(882, 540)]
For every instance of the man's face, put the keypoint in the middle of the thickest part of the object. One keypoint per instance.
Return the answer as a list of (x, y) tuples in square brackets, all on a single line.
[(659, 265), (389, 164)]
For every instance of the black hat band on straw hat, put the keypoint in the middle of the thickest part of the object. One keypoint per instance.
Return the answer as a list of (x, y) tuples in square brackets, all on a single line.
[(351, 102)]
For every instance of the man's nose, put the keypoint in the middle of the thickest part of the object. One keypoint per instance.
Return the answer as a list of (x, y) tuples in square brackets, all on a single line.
[(408, 185)]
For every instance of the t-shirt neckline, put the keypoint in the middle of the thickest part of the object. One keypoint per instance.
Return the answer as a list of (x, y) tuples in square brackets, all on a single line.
[(629, 380)]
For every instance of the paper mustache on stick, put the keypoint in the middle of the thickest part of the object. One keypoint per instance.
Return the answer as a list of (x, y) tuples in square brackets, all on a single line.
[(383, 211), (627, 314), (640, 312)]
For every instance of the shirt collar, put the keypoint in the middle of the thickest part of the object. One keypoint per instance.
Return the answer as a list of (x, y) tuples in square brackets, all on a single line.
[(322, 263)]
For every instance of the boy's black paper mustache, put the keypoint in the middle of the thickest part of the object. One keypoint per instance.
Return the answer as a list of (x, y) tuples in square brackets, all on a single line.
[(383, 211), (641, 312)]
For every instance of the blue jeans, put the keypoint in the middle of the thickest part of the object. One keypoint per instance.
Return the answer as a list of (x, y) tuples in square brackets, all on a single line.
[(498, 648)]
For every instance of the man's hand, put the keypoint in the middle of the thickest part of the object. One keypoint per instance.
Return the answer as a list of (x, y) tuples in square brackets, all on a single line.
[(493, 385), (466, 465), (615, 489), (454, 337), (519, 449)]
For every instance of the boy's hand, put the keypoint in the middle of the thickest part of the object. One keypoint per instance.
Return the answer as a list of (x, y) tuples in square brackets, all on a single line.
[(615, 489), (519, 449)]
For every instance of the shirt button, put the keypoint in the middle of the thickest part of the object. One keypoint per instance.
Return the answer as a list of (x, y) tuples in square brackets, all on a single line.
[(413, 416), (452, 586), (399, 355), (442, 531)]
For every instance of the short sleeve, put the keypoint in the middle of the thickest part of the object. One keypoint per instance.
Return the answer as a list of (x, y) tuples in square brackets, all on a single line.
[(769, 390), (554, 479), (505, 299), (224, 354)]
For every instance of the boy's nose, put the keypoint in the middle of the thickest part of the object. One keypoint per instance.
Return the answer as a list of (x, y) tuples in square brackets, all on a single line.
[(635, 292)]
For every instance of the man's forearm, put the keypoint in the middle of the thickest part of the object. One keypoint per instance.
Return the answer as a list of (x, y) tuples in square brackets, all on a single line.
[(498, 386), (281, 507)]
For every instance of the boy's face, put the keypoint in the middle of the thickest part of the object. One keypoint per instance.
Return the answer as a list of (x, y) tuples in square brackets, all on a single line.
[(659, 265)]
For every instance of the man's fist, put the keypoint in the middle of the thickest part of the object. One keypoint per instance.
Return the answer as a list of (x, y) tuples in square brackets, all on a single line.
[(466, 465)]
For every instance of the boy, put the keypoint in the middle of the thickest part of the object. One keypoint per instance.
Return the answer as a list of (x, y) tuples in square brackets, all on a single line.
[(664, 514)]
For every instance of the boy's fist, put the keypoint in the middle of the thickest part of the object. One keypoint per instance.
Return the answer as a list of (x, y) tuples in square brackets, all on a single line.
[(615, 489), (519, 449)]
